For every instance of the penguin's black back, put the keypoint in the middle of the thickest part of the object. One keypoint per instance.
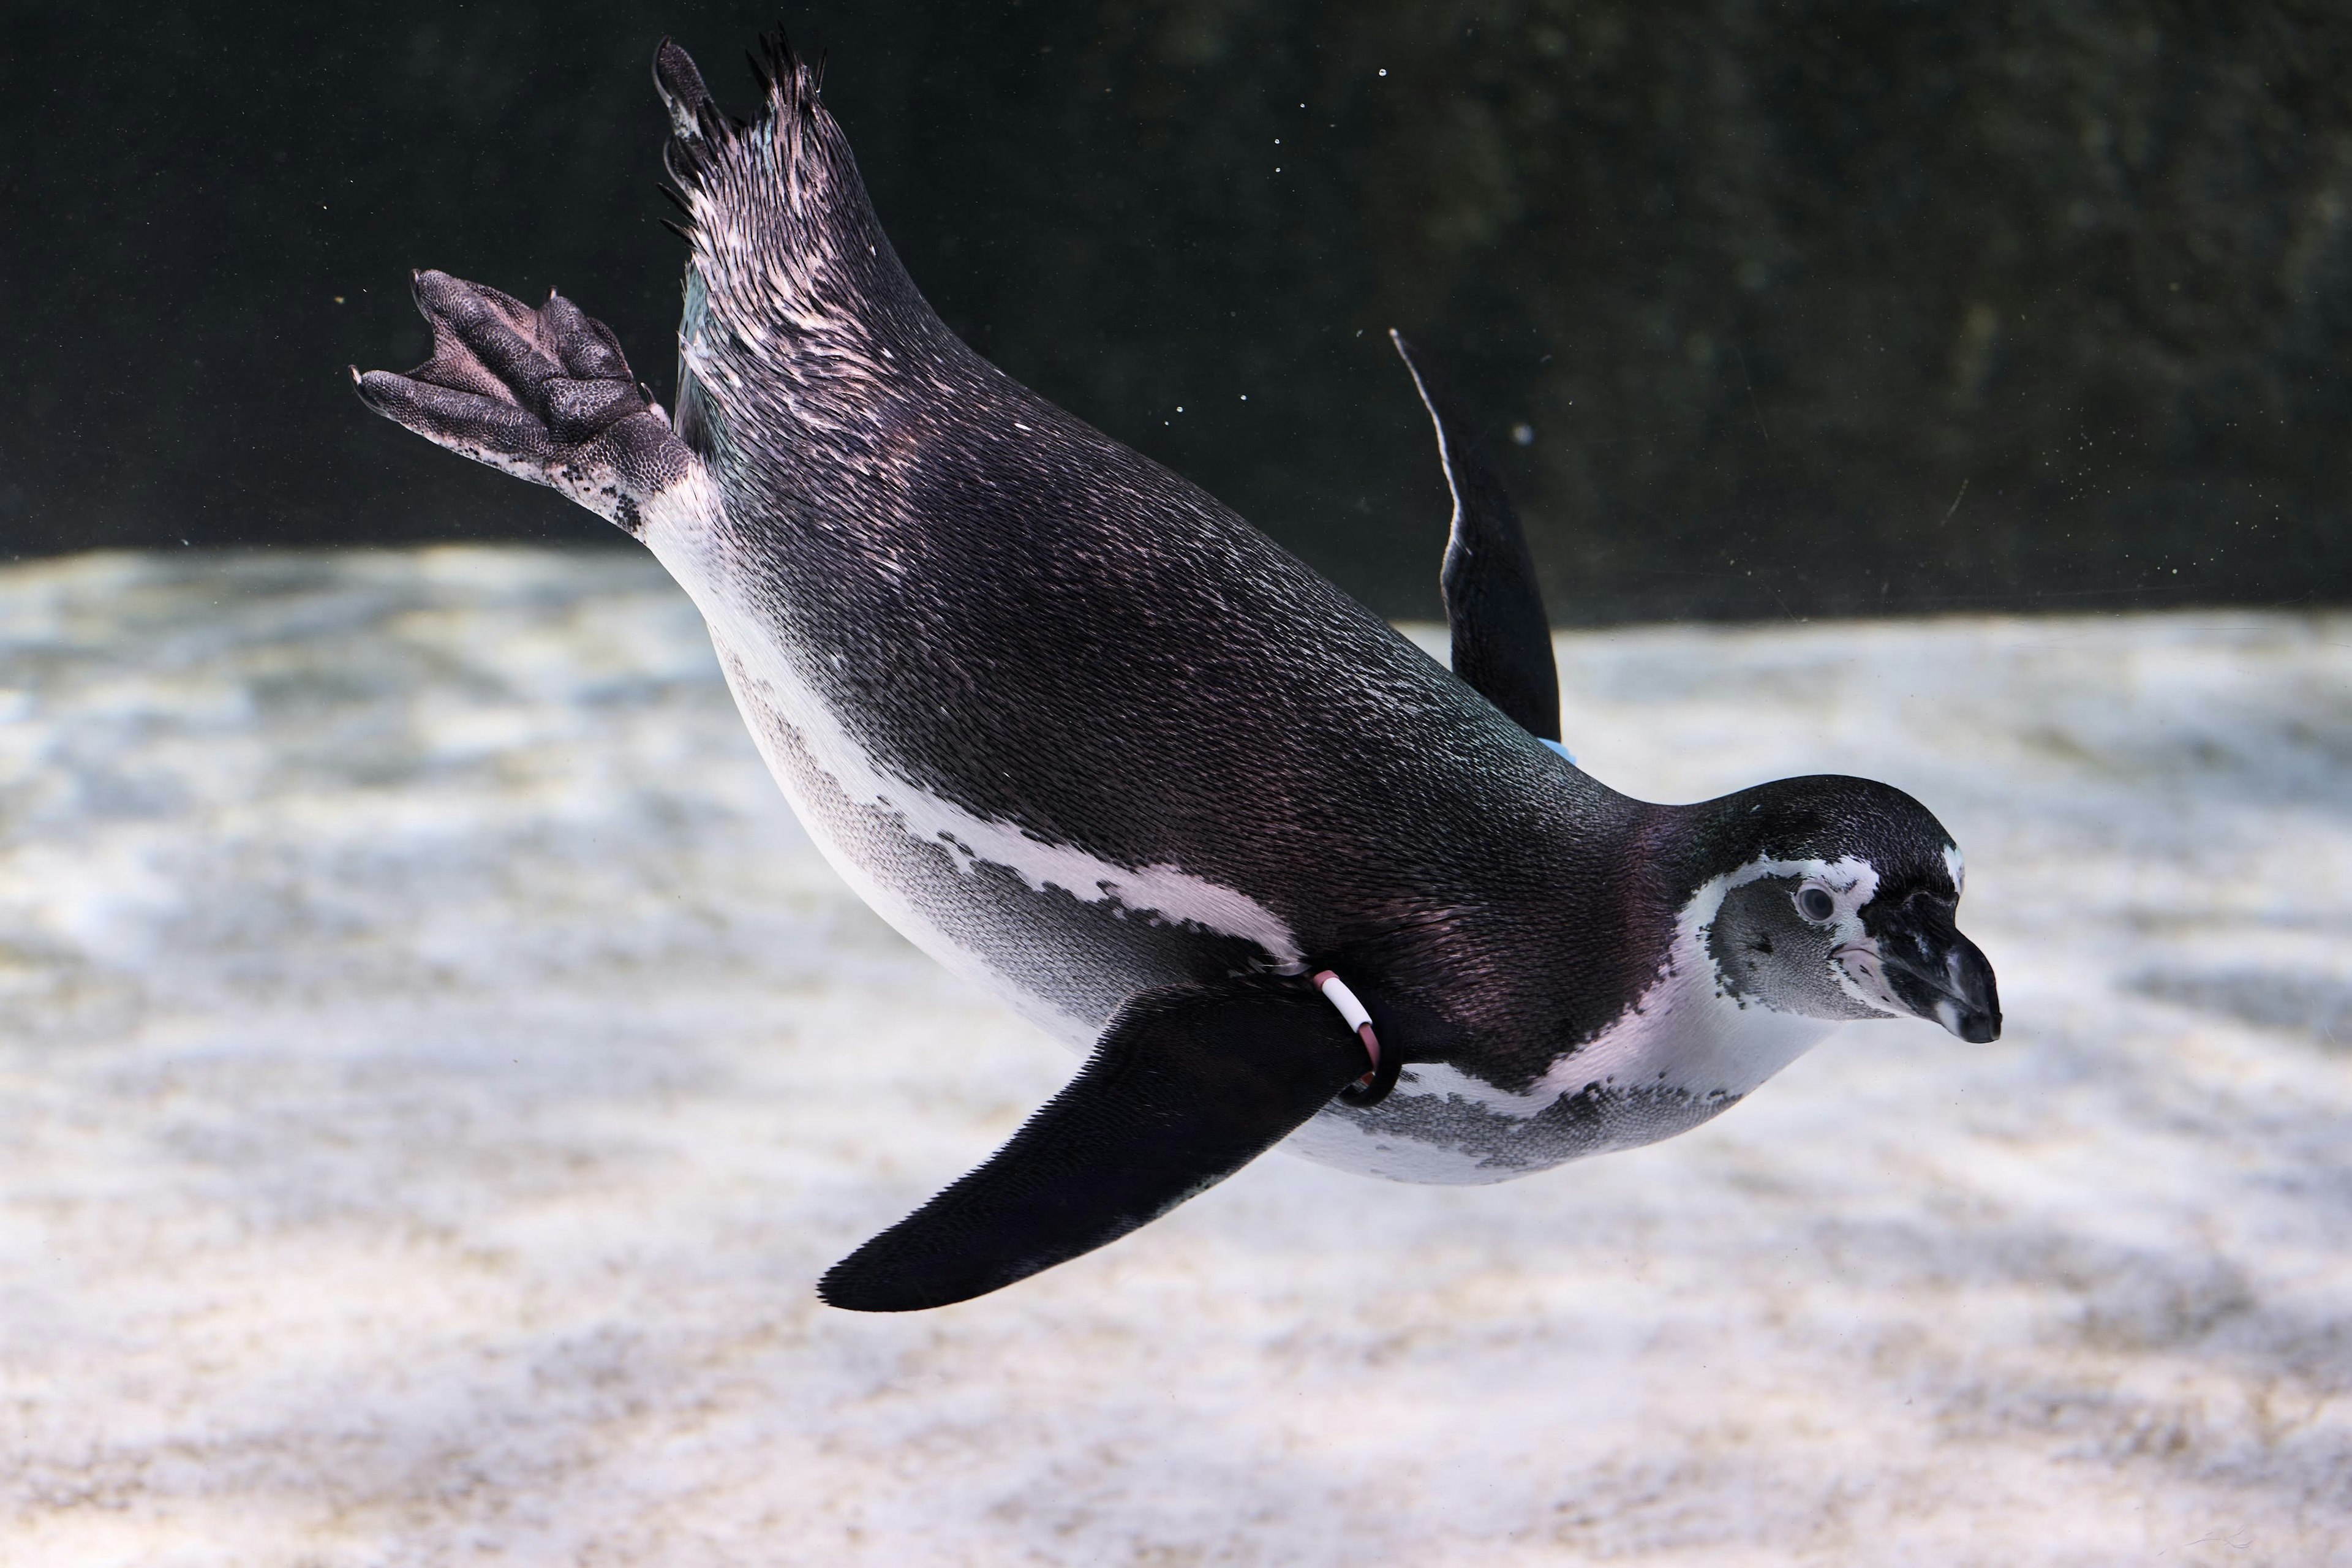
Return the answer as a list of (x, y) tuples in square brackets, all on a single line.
[(1029, 617)]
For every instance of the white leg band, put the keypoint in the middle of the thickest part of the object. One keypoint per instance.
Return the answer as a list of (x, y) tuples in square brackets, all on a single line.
[(1335, 991)]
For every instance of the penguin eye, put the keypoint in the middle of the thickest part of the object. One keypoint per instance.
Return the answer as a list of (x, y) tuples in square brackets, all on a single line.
[(1815, 903)]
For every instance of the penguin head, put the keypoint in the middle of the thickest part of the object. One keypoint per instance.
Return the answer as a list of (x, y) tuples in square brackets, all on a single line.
[(1837, 898)]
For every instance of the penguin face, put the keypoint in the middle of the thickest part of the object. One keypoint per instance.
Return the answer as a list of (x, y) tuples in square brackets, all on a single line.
[(1844, 908), (1912, 954), (1783, 936)]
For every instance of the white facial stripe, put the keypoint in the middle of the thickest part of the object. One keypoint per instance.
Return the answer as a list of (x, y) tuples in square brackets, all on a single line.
[(1856, 881), (1959, 870), (1862, 977), (1852, 879)]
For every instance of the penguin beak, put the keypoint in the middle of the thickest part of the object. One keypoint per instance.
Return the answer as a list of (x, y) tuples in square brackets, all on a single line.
[(1935, 972)]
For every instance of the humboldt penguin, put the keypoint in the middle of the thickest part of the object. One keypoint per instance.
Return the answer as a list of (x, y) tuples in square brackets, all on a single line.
[(1091, 740)]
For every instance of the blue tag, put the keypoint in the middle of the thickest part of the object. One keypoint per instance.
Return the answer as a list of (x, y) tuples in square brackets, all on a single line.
[(1563, 751)]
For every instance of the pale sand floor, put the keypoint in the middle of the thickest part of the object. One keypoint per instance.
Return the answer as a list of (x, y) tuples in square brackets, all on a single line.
[(436, 1068)]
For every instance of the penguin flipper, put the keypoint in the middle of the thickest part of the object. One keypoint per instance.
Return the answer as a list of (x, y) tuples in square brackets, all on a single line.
[(1186, 1086), (1502, 641)]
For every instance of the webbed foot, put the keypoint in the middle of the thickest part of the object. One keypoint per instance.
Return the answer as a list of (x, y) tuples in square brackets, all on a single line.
[(543, 395)]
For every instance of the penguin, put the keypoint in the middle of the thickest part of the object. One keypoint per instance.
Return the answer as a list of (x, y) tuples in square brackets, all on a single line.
[(1090, 740)]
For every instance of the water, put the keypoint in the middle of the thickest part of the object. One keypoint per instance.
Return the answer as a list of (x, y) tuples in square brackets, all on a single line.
[(438, 1070)]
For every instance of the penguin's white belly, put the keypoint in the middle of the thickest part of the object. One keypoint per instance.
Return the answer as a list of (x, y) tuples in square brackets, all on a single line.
[(1059, 933)]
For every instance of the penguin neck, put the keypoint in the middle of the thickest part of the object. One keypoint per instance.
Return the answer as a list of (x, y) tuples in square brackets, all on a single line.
[(1690, 846)]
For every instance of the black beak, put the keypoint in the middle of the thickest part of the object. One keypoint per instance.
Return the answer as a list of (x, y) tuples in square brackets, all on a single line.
[(1938, 972)]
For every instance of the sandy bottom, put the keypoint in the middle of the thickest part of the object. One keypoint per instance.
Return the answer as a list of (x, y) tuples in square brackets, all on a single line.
[(436, 1068)]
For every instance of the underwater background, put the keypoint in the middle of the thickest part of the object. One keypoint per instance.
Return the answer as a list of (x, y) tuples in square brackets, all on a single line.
[(436, 1068), (1798, 307), (435, 1065)]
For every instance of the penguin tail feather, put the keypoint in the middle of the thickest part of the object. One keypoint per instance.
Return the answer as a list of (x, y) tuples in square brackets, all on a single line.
[(701, 133), (785, 182), (783, 238)]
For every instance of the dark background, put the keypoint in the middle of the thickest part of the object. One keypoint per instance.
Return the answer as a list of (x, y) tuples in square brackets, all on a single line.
[(1804, 308)]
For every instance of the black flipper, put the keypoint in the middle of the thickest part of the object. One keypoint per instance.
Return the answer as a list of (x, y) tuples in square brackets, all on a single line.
[(1502, 642), (1186, 1087)]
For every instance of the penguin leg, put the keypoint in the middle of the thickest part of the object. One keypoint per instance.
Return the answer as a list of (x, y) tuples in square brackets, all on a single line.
[(543, 395), (1186, 1086)]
